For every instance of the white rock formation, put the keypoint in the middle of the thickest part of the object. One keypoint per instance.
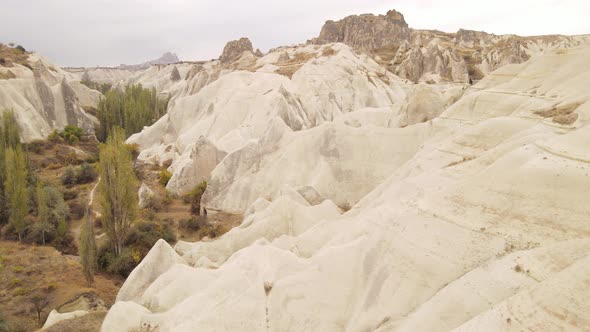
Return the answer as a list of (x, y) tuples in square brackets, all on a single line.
[(43, 98), (55, 317), (473, 220), (194, 165)]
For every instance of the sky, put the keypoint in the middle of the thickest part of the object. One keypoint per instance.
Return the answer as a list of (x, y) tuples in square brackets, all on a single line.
[(111, 32)]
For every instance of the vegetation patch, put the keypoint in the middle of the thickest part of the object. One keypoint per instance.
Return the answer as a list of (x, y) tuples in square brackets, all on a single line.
[(11, 55)]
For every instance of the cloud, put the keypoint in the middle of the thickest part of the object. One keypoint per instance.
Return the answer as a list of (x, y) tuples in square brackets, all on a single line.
[(110, 32)]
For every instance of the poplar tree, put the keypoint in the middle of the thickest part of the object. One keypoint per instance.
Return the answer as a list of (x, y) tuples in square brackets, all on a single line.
[(87, 250), (43, 224), (9, 138), (10, 133), (16, 189), (118, 189)]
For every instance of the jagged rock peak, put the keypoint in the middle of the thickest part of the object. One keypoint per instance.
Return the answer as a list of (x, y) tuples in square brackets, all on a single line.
[(395, 15), (365, 32), (234, 49)]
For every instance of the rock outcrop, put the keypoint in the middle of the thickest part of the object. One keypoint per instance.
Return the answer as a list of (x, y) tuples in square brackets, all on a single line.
[(366, 32), (234, 49), (434, 56)]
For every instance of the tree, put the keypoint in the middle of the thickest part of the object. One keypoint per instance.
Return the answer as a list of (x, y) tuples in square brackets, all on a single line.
[(10, 132), (9, 138), (16, 189), (118, 188), (88, 253), (39, 301), (3, 202), (43, 225)]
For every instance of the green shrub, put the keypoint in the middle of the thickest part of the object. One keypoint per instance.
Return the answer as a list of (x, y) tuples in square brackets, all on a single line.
[(81, 175), (145, 234), (55, 137), (15, 282), (120, 265), (140, 240), (194, 197), (68, 177), (164, 177), (72, 134), (20, 48), (21, 291), (77, 210), (70, 195), (37, 146), (193, 224), (86, 174), (152, 203)]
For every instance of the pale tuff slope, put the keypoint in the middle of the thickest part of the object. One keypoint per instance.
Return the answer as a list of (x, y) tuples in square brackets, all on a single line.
[(479, 221)]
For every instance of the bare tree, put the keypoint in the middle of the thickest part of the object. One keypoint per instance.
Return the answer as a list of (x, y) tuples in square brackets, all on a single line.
[(39, 301)]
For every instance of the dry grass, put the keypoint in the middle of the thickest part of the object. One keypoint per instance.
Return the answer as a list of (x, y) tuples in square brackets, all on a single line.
[(291, 66), (26, 269), (10, 56)]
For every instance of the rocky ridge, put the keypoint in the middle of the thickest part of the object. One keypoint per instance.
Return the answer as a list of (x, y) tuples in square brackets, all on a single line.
[(435, 56)]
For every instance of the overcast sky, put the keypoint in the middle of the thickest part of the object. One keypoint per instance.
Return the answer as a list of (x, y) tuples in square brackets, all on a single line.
[(111, 32)]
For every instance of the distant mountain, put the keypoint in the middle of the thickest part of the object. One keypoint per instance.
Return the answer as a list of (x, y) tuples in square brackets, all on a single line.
[(166, 59)]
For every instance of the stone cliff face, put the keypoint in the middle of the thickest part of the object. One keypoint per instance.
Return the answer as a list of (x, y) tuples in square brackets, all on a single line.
[(433, 56)]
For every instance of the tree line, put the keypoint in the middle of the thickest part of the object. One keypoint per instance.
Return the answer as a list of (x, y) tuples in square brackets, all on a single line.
[(21, 192), (131, 108)]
